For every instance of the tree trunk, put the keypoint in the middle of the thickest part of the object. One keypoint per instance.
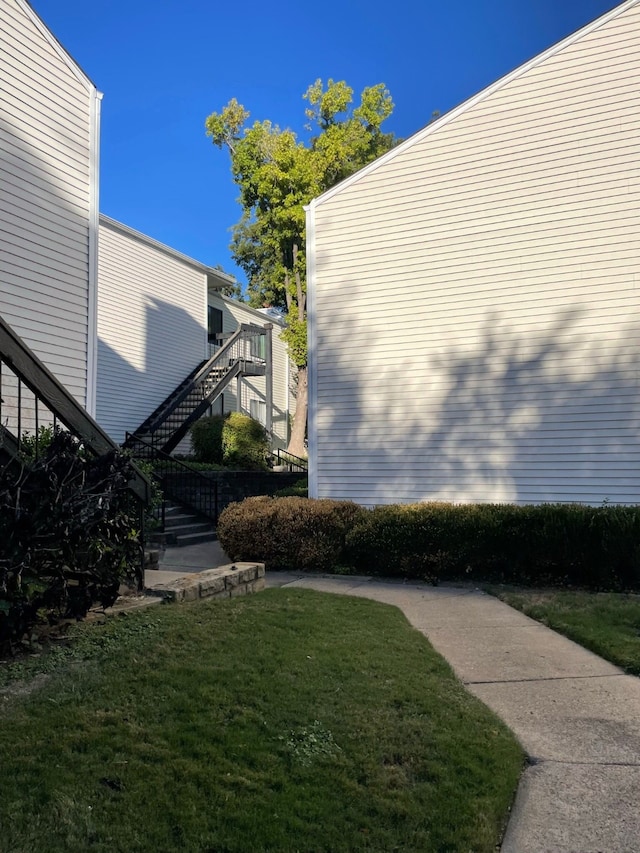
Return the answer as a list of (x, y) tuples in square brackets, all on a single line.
[(296, 442)]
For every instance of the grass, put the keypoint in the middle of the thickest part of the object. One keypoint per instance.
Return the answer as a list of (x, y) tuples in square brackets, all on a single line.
[(287, 721), (606, 623)]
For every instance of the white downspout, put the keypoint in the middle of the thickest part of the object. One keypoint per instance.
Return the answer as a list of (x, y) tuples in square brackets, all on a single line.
[(311, 349)]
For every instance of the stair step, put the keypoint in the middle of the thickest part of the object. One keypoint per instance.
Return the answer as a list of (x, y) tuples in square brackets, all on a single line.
[(194, 527), (172, 521), (195, 538)]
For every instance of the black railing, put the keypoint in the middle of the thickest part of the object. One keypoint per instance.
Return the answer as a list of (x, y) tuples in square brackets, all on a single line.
[(34, 404), (239, 355), (178, 481), (289, 461), (31, 398)]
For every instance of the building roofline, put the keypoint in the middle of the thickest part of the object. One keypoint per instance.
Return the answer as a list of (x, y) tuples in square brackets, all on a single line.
[(265, 317), (62, 52), (433, 127), (223, 277)]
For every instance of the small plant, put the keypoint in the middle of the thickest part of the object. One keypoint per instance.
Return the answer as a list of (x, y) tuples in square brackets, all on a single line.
[(310, 744), (32, 444)]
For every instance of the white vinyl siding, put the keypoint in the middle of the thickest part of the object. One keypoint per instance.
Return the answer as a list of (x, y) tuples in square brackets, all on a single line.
[(151, 326), (46, 202), (476, 296), (254, 387)]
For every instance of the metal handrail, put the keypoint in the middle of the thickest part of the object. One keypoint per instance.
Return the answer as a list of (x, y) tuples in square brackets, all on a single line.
[(233, 350), (293, 462), (207, 489), (48, 390)]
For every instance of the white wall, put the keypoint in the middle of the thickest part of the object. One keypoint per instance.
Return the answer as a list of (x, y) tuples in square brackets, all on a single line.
[(49, 115), (254, 387), (151, 325), (475, 295)]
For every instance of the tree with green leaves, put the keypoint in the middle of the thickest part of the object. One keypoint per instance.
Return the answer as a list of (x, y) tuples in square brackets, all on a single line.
[(278, 174)]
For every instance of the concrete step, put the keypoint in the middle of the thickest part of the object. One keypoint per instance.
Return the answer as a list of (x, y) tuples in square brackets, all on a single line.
[(195, 538), (194, 526)]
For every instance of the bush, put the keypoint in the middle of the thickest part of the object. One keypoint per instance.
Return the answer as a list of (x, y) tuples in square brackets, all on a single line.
[(550, 544), (206, 437), (287, 533), (245, 443), (300, 489), (68, 535), (33, 444)]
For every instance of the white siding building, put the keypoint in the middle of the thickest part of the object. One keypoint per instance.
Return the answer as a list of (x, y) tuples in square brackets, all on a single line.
[(151, 324), (253, 390), (49, 138), (475, 294), (153, 309)]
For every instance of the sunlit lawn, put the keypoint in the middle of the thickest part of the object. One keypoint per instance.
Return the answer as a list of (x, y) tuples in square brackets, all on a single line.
[(286, 721), (606, 623)]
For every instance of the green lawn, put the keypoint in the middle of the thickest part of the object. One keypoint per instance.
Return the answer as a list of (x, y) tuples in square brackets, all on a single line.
[(287, 721), (606, 623)]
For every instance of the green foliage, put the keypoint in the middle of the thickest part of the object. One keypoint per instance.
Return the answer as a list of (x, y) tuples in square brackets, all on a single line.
[(295, 336), (556, 544), (288, 532), (607, 623), (33, 444), (67, 535), (156, 496), (206, 438), (278, 174), (300, 489), (245, 443)]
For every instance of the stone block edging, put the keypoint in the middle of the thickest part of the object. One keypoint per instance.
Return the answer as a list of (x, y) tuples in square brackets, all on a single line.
[(221, 582)]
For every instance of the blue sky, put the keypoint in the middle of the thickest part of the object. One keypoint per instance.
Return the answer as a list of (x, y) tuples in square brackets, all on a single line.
[(163, 66)]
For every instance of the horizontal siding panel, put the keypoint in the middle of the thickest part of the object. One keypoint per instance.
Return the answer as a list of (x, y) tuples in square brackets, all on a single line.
[(151, 328), (54, 95), (45, 168), (45, 199), (27, 200), (30, 45), (25, 236), (477, 297)]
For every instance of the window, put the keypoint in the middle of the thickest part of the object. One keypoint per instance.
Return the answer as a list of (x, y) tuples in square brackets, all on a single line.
[(258, 411), (214, 324)]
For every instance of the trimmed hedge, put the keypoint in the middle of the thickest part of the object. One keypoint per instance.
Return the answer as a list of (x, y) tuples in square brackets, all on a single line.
[(556, 544), (549, 544), (287, 533)]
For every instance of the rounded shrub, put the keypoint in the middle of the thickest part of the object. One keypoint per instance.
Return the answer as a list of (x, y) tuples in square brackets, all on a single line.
[(245, 443), (289, 532), (206, 438)]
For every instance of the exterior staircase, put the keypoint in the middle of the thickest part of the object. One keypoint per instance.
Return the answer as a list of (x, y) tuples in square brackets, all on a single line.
[(164, 429), (182, 527)]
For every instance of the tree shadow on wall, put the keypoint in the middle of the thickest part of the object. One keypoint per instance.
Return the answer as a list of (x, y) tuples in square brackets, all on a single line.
[(544, 413)]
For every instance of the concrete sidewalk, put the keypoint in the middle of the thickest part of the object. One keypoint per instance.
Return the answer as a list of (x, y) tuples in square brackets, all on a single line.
[(577, 716)]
